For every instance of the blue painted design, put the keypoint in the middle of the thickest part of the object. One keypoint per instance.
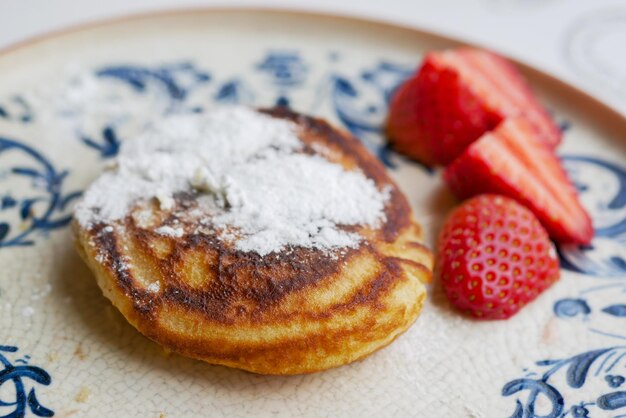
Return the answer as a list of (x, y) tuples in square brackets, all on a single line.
[(602, 188), (361, 104), (612, 401), (108, 146), (616, 310), (600, 309), (174, 82), (565, 308), (536, 389), (360, 101), (559, 386), (233, 91), (614, 381), (7, 202), (44, 208), (16, 375), (16, 109), (177, 80), (285, 71), (284, 68), (607, 334), (25, 114), (282, 101), (579, 411)]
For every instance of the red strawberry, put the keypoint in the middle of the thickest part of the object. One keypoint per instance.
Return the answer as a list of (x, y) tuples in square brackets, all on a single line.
[(494, 257), (434, 116), (513, 161), (457, 96)]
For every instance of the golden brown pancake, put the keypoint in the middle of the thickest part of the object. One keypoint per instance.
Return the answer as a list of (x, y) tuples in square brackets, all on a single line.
[(297, 311)]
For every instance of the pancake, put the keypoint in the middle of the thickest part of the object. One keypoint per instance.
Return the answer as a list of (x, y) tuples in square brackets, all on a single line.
[(300, 309)]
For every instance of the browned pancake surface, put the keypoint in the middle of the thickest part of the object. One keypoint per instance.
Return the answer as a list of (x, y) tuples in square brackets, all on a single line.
[(295, 311)]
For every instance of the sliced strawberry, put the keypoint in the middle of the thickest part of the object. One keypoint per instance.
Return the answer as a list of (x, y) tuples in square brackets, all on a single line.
[(504, 89), (434, 116), (457, 96), (512, 160)]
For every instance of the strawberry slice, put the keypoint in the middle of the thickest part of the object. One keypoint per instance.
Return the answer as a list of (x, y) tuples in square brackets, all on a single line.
[(434, 116), (456, 96), (512, 160)]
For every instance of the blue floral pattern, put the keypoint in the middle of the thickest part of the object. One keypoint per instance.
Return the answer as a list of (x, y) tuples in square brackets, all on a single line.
[(44, 206), (602, 188), (108, 145), (176, 80), (360, 102), (285, 70), (16, 373), (16, 109), (601, 309), (614, 381), (553, 388)]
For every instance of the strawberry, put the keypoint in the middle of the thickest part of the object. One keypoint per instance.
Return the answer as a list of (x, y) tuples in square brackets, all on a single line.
[(434, 116), (494, 257), (513, 161), (457, 96)]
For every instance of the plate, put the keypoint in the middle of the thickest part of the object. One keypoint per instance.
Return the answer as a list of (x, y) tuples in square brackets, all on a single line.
[(66, 103)]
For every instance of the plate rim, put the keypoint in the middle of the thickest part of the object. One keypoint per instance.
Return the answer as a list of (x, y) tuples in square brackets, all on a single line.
[(614, 116)]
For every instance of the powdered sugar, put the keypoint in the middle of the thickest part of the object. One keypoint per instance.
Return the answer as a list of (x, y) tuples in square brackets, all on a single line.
[(154, 287), (80, 101), (169, 231), (253, 186)]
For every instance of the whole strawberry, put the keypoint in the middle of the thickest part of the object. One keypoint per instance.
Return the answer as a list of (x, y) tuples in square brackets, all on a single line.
[(494, 257)]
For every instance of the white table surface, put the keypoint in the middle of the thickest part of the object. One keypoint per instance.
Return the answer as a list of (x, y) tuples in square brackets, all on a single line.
[(582, 42)]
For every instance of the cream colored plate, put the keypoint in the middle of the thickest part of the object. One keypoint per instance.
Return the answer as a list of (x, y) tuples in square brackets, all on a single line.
[(67, 100)]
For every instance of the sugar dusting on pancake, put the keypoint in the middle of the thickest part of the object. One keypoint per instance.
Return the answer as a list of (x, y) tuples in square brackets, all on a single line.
[(255, 184), (178, 276)]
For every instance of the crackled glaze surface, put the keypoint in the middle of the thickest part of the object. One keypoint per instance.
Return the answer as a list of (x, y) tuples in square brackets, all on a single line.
[(66, 351)]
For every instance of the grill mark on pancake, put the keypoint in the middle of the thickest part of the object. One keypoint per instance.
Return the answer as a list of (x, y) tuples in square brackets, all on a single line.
[(419, 246), (217, 301), (372, 292), (413, 264), (107, 243), (398, 218), (224, 351), (247, 290), (263, 282)]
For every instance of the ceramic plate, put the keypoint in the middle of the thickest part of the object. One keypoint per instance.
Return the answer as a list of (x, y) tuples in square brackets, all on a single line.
[(68, 101)]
